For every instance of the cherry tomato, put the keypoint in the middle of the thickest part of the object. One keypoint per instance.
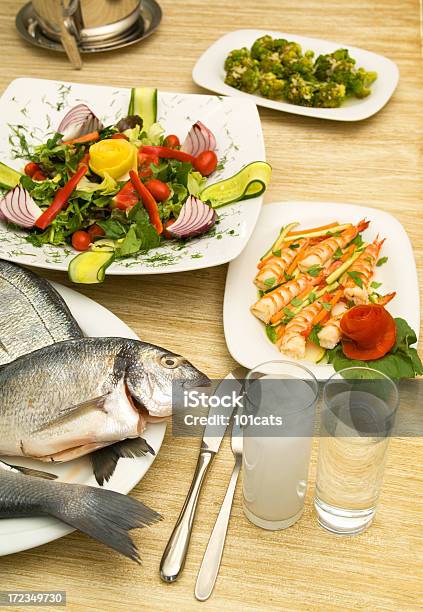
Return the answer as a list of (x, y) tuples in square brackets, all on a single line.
[(31, 168), (81, 240), (122, 136), (172, 141), (206, 162), (38, 176), (95, 231), (168, 223), (159, 190), (144, 161)]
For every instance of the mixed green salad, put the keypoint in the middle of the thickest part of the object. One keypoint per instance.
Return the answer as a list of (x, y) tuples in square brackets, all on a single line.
[(278, 69), (118, 190)]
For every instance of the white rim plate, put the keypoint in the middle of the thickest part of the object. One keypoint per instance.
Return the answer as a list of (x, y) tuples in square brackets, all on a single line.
[(245, 334), (21, 534), (209, 73), (39, 105)]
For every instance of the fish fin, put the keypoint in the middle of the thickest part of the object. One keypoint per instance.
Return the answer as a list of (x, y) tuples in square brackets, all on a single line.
[(31, 472), (96, 403), (105, 459), (106, 516)]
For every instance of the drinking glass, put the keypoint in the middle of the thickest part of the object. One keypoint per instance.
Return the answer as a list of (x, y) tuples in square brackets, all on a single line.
[(278, 421), (358, 414)]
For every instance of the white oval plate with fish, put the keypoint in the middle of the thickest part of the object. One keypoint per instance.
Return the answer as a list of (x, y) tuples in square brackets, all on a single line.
[(245, 334), (39, 105), (24, 533), (209, 72)]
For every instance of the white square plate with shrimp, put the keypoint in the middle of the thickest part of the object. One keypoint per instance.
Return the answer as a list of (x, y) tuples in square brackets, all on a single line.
[(38, 105), (209, 72), (245, 334)]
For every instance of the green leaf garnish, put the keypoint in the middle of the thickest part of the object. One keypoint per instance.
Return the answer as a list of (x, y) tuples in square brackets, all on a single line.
[(277, 253), (271, 333), (294, 246), (381, 261), (375, 285), (296, 301), (337, 254), (314, 271), (356, 278)]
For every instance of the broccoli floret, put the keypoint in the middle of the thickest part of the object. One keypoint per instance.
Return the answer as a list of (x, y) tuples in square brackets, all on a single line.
[(299, 91), (244, 75), (329, 95), (261, 47), (361, 81), (270, 86), (236, 57), (271, 63)]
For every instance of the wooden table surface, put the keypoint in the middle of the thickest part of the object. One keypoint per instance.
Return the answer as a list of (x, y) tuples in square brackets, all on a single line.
[(375, 162)]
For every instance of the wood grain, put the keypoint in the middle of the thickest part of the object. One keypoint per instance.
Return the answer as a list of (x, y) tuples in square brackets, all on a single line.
[(377, 162)]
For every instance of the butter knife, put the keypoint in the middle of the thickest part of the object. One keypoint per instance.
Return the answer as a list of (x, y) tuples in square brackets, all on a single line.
[(174, 556)]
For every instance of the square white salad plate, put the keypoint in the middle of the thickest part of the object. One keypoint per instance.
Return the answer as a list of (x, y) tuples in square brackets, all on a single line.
[(209, 72), (38, 105), (245, 334)]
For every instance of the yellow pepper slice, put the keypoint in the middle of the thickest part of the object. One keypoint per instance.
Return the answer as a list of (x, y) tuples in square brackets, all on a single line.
[(114, 156)]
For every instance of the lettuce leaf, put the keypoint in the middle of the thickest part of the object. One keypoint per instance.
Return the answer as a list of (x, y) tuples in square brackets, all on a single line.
[(402, 361)]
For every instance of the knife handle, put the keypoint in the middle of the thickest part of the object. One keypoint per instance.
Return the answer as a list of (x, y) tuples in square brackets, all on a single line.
[(173, 559), (210, 565)]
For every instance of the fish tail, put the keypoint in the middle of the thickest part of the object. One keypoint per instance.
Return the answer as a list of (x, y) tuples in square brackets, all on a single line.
[(105, 459), (31, 472), (106, 516)]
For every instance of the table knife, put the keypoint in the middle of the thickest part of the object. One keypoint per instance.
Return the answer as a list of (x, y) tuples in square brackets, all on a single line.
[(173, 559)]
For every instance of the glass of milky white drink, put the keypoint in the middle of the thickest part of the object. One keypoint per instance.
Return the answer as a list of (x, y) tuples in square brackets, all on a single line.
[(278, 422), (357, 417)]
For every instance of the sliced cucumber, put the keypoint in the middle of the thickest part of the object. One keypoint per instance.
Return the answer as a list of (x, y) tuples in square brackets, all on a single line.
[(104, 244), (313, 352), (279, 240), (340, 271), (249, 182), (90, 267), (144, 103), (9, 178)]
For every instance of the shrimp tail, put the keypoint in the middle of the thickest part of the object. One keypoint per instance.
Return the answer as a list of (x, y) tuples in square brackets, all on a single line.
[(385, 299), (362, 225)]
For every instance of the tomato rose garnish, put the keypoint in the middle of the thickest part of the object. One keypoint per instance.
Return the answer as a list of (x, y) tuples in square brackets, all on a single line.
[(369, 332)]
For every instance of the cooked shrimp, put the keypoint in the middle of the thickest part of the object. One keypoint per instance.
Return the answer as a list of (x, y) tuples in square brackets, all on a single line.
[(357, 291), (323, 251), (330, 334), (293, 341), (274, 268), (275, 300)]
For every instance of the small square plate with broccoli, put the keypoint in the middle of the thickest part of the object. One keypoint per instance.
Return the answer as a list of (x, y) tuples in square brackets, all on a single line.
[(298, 74)]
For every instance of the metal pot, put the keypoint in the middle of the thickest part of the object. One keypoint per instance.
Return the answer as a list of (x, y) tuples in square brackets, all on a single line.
[(75, 21)]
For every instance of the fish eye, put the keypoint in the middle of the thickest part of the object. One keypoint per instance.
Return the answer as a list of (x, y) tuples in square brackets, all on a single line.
[(170, 362)]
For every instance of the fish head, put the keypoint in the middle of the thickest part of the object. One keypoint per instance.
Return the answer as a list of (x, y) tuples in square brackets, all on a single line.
[(153, 376)]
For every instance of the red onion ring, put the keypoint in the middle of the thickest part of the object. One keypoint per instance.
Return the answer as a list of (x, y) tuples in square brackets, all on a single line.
[(78, 121), (199, 139), (195, 218), (19, 208)]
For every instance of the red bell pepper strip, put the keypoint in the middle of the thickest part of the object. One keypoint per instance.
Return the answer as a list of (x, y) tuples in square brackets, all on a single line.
[(168, 153), (148, 201), (60, 199)]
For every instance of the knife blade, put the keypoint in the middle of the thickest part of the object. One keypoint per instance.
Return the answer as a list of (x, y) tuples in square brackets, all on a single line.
[(174, 556)]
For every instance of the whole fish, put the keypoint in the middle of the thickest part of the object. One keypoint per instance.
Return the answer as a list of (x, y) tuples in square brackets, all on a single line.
[(33, 314), (77, 397), (104, 515)]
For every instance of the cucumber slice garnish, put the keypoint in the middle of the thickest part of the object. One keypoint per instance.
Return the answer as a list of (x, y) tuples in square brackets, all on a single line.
[(143, 102), (9, 178), (90, 267), (249, 182)]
